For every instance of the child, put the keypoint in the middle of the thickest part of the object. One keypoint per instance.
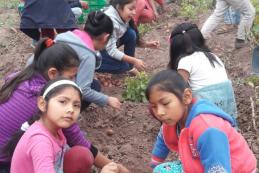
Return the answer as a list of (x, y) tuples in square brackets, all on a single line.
[(247, 12), (43, 147), (146, 12), (203, 70), (203, 135), (97, 30), (41, 19), (18, 95), (121, 13)]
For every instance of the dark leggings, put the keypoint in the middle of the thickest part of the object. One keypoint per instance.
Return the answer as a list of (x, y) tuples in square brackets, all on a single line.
[(35, 34)]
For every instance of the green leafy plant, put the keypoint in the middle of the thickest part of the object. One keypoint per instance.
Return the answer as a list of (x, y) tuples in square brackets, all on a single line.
[(135, 87)]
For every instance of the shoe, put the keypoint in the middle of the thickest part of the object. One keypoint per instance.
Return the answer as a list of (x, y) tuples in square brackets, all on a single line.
[(240, 43)]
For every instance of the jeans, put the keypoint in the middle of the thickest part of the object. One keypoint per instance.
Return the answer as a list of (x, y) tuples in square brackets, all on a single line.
[(111, 65), (97, 87), (232, 17), (246, 10)]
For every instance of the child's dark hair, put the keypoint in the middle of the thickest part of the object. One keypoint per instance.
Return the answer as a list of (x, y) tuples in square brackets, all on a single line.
[(12, 143), (169, 81), (58, 55), (186, 39), (98, 23), (120, 3)]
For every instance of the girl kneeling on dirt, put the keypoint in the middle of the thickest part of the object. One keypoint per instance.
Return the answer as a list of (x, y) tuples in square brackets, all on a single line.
[(121, 13), (97, 30), (204, 136), (18, 96), (202, 69), (43, 147)]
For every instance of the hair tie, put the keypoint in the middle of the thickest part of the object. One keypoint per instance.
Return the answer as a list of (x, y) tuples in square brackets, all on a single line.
[(183, 31), (49, 42), (25, 126), (59, 83)]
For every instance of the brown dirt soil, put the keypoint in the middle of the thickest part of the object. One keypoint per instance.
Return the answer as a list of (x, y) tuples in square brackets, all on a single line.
[(127, 136)]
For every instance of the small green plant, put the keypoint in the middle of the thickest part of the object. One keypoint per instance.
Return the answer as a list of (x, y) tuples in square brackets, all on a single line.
[(135, 87), (252, 80), (143, 29), (190, 8)]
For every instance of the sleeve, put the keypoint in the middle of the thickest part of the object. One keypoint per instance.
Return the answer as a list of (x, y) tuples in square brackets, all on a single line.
[(111, 47), (42, 154), (84, 79), (213, 147), (160, 150), (74, 3), (185, 64), (75, 136)]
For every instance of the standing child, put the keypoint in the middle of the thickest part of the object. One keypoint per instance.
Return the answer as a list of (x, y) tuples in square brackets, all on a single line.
[(202, 69), (203, 135), (247, 12), (121, 13), (41, 19)]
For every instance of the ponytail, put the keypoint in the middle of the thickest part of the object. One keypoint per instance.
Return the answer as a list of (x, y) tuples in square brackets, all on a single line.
[(47, 54), (186, 39)]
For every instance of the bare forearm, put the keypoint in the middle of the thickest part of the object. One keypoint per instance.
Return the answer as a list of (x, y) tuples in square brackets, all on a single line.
[(129, 59)]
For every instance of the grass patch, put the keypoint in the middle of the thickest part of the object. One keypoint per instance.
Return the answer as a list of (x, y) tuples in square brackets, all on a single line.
[(252, 81), (9, 4), (191, 8), (143, 29)]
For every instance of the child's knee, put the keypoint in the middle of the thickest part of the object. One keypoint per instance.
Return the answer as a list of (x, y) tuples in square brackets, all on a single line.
[(132, 34), (78, 158)]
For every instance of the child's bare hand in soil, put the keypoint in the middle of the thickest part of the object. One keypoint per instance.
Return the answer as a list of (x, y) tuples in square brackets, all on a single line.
[(110, 168), (114, 102), (139, 65), (122, 169), (152, 44)]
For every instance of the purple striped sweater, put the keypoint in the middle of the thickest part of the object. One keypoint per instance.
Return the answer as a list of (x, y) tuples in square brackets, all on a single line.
[(21, 106)]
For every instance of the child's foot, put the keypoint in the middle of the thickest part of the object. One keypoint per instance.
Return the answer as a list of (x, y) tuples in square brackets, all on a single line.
[(240, 43)]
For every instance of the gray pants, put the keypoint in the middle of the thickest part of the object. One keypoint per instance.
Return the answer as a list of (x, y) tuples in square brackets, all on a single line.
[(247, 16)]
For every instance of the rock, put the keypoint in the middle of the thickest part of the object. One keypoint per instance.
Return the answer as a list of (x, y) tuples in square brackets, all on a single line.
[(109, 132)]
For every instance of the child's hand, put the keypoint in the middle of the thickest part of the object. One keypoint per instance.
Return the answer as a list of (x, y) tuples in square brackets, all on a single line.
[(139, 64), (153, 44), (84, 4), (122, 169), (110, 168), (114, 102)]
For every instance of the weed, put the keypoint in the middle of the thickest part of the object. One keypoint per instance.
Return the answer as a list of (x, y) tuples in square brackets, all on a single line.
[(255, 29), (135, 87), (11, 4), (143, 29)]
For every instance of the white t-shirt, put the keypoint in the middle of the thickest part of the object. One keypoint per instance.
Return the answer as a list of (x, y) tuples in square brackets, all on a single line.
[(202, 73)]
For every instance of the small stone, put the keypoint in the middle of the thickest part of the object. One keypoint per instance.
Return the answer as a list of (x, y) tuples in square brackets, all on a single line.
[(109, 132)]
